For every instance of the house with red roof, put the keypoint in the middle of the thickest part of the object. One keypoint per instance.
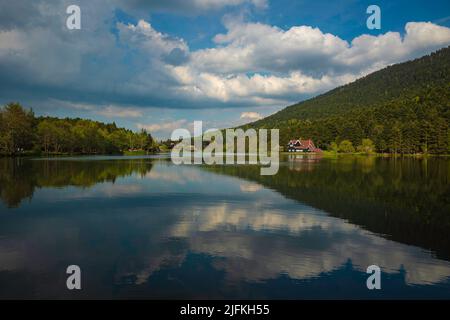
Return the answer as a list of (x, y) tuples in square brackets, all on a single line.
[(302, 146)]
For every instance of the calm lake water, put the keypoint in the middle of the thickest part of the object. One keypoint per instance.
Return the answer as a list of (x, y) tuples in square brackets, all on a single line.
[(145, 228)]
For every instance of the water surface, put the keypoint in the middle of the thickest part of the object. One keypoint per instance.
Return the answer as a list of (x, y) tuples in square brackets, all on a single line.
[(145, 228)]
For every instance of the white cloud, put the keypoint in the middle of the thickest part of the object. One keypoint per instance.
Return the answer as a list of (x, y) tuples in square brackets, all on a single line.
[(256, 89), (163, 127), (144, 36), (250, 115), (373, 52), (120, 112), (255, 47)]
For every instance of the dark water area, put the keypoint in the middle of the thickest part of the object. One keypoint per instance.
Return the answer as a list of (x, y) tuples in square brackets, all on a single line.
[(142, 227)]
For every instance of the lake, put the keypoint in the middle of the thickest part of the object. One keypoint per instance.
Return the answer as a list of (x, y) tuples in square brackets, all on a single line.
[(142, 227)]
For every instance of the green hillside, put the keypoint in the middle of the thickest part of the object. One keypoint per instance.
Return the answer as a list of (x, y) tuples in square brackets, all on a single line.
[(404, 108)]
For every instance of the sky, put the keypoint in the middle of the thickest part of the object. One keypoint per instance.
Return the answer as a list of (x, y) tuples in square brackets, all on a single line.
[(161, 64)]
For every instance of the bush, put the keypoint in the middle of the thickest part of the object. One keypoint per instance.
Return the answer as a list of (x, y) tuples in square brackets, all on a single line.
[(346, 146), (367, 146)]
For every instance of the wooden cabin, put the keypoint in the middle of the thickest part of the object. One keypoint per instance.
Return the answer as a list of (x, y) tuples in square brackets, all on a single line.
[(302, 146)]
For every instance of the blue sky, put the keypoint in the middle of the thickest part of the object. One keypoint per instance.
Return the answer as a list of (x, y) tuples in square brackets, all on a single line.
[(160, 65), (345, 18)]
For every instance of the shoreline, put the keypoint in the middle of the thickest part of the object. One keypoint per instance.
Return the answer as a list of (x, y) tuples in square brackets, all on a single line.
[(331, 154), (63, 155), (325, 154)]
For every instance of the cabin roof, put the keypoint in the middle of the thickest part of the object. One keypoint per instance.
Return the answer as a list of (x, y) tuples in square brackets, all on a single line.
[(304, 144)]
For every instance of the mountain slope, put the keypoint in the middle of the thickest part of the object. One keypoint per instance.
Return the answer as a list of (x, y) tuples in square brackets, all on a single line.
[(402, 108)]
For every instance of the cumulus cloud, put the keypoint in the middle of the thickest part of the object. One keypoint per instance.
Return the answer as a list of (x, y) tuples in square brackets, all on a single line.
[(257, 89), (145, 37), (250, 115), (249, 47)]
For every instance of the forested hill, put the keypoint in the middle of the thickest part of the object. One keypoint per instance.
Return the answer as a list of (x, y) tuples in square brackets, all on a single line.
[(402, 108)]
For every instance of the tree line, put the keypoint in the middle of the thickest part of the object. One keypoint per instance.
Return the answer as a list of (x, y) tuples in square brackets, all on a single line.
[(22, 132)]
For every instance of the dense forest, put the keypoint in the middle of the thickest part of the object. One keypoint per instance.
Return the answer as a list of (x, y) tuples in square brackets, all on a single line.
[(22, 132), (404, 108)]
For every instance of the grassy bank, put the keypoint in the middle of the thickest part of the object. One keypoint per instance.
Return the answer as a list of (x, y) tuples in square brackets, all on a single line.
[(416, 155), (67, 154), (332, 154)]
